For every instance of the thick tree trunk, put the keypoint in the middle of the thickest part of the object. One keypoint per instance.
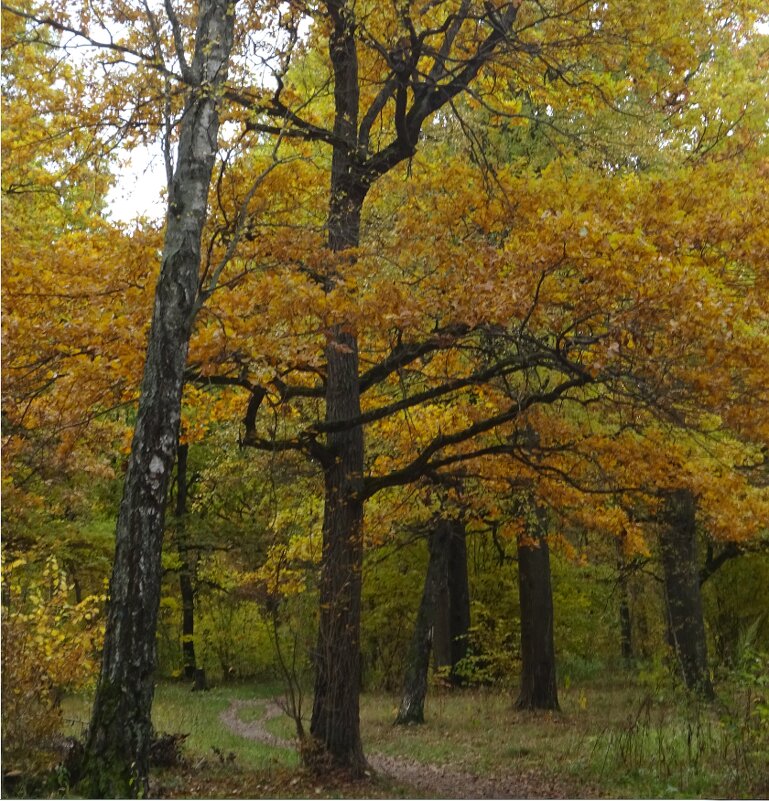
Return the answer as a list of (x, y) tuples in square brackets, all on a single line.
[(185, 570), (538, 686), (116, 762), (412, 708), (686, 627), (335, 715), (452, 613), (335, 723)]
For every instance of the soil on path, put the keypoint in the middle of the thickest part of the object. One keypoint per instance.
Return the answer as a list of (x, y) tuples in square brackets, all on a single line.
[(426, 780)]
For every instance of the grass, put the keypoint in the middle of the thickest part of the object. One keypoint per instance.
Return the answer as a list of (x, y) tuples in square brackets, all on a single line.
[(177, 710), (613, 738), (479, 731), (609, 739)]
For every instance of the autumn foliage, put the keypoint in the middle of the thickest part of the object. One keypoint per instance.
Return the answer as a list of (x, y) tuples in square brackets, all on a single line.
[(50, 648), (457, 259)]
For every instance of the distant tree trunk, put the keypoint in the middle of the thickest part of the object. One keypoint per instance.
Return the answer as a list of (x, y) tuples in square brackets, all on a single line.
[(185, 570), (625, 624), (678, 546), (188, 619), (538, 686), (452, 611), (412, 708), (625, 627), (116, 763)]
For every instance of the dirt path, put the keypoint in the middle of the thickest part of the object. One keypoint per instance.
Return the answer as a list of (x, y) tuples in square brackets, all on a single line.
[(255, 729), (427, 781)]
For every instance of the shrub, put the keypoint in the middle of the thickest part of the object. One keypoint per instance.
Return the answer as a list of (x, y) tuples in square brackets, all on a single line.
[(50, 647)]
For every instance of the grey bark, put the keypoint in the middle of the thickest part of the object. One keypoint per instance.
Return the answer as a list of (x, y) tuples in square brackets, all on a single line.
[(538, 679), (686, 626), (117, 747)]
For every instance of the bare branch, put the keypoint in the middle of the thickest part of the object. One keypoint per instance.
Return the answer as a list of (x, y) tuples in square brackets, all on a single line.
[(178, 41)]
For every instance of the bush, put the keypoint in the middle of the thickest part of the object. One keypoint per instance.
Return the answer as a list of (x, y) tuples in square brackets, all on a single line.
[(50, 647), (493, 646)]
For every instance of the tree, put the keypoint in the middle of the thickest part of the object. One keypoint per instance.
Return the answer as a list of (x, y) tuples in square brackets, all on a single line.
[(451, 619), (678, 539), (443, 618), (117, 748), (151, 57), (412, 706), (434, 61), (538, 685)]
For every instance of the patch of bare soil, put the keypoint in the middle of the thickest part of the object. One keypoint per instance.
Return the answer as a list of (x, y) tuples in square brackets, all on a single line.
[(420, 780)]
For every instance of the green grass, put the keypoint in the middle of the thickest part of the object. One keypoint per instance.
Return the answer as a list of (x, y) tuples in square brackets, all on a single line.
[(249, 714), (475, 730), (178, 710)]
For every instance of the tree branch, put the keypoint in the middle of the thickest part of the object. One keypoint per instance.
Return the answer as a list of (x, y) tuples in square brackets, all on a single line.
[(424, 462)]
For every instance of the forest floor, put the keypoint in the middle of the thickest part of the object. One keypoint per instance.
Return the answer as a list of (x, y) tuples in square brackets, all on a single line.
[(418, 779), (613, 738)]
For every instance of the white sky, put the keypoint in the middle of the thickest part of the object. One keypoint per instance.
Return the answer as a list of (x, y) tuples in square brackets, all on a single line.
[(138, 190)]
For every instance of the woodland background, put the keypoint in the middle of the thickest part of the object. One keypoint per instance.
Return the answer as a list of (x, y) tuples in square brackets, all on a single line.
[(497, 273)]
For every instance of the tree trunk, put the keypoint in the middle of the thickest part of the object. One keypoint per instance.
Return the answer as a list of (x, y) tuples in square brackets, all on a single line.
[(335, 727), (678, 545), (625, 620), (335, 723), (625, 626), (335, 714), (538, 687), (412, 708), (116, 763), (452, 613), (185, 571)]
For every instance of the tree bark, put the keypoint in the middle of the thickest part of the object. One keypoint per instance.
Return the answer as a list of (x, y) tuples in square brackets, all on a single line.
[(625, 624), (116, 763), (412, 707), (686, 626), (452, 613), (538, 684), (335, 715)]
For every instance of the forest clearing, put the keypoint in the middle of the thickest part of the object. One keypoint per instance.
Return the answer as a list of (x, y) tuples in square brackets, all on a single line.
[(433, 406)]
